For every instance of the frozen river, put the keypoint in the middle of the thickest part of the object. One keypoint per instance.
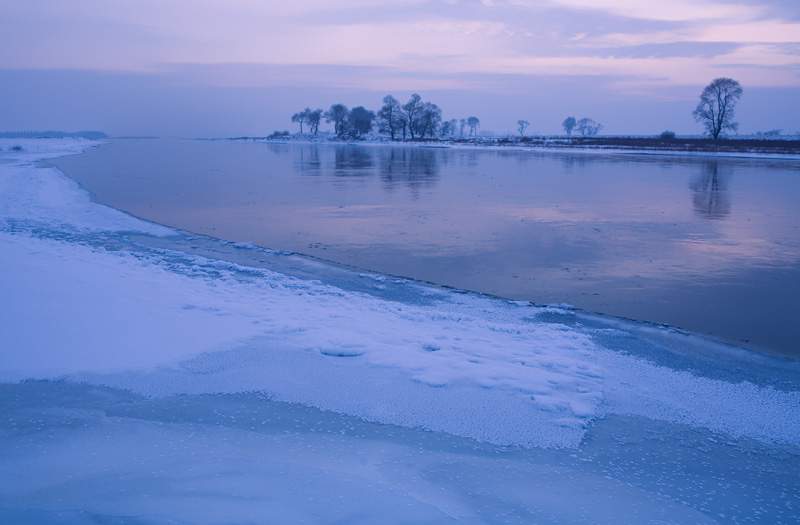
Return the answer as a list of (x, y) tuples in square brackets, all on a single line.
[(711, 245), (154, 376)]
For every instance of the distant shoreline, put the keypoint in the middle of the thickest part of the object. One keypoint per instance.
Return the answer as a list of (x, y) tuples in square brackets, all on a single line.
[(733, 147)]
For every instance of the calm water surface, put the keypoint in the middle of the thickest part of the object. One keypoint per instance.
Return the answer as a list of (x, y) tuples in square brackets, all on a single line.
[(710, 245)]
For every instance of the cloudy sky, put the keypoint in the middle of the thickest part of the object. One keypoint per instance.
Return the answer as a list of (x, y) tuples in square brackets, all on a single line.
[(242, 67)]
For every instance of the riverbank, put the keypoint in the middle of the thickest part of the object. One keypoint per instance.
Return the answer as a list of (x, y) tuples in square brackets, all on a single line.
[(692, 146)]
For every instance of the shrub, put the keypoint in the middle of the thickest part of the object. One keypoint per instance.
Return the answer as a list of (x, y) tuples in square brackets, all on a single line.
[(667, 135), (17, 148)]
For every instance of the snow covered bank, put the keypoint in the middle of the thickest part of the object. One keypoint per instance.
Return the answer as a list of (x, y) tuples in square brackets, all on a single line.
[(158, 377), (85, 303), (592, 146)]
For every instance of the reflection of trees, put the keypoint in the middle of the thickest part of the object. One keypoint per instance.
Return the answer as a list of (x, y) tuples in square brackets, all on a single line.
[(710, 192), (352, 161), (471, 158), (414, 167), (307, 160), (278, 149), (570, 161)]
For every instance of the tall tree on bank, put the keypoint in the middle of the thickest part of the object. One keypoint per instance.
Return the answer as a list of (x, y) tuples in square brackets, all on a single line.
[(402, 123), (301, 117), (429, 117), (521, 125), (359, 121), (717, 102), (412, 110), (473, 123), (588, 127), (312, 119), (446, 129), (569, 124), (338, 116), (391, 117)]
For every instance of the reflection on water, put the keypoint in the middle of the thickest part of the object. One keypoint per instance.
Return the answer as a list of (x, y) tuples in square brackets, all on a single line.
[(571, 161), (352, 161), (711, 245), (307, 159), (710, 188), (414, 167), (278, 149)]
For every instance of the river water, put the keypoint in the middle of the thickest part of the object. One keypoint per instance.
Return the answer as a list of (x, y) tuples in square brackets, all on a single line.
[(710, 245)]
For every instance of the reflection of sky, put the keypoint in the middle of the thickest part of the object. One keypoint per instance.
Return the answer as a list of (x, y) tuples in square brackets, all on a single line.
[(622, 213), (609, 233), (214, 68)]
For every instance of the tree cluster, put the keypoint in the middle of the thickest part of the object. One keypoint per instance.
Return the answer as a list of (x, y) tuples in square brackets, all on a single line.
[(416, 119), (308, 116), (585, 126)]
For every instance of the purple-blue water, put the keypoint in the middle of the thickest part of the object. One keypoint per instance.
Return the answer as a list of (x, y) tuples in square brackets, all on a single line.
[(711, 245)]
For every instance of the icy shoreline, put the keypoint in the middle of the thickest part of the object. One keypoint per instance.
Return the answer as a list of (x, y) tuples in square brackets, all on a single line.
[(558, 377), (555, 146), (96, 297)]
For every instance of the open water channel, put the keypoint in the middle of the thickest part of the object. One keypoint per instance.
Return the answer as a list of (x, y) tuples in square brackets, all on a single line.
[(707, 244)]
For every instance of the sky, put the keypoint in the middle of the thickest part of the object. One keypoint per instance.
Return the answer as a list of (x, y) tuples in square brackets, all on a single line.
[(214, 68)]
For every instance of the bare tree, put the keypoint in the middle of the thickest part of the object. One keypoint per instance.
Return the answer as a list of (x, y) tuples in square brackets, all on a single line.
[(412, 109), (312, 119), (569, 124), (446, 129), (588, 127), (301, 117), (338, 115), (473, 123), (521, 125), (403, 124), (429, 117), (717, 102), (359, 121), (390, 116), (461, 125)]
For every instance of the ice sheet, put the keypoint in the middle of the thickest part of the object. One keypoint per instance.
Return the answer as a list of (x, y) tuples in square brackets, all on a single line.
[(84, 454)]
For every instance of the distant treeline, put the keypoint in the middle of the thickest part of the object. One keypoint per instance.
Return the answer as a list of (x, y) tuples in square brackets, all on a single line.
[(415, 119), (92, 135)]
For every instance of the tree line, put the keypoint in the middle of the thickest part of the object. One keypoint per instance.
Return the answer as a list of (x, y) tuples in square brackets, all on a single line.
[(715, 112), (416, 119)]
